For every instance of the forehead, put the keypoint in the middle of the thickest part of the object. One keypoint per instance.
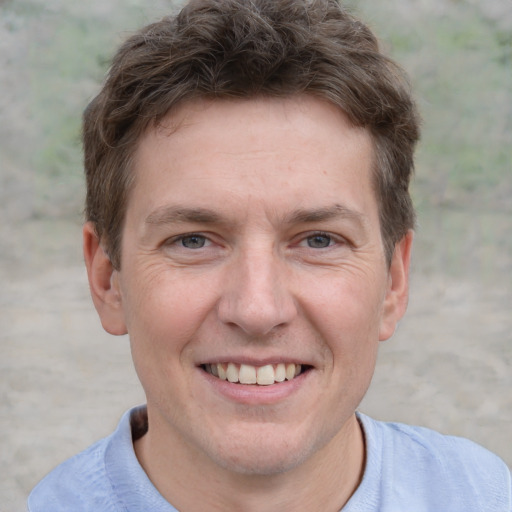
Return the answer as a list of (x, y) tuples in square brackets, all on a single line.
[(291, 153)]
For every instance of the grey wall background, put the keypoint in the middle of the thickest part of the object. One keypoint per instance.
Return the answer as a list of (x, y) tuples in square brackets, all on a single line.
[(65, 383)]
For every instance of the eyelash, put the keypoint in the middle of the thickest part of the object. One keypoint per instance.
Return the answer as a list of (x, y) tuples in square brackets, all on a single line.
[(334, 238), (181, 238), (331, 239), (304, 239)]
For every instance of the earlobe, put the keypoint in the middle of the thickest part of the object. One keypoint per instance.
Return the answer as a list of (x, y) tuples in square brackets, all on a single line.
[(103, 283), (397, 295)]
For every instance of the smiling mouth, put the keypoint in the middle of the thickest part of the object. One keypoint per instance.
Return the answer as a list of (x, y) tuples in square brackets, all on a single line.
[(261, 375)]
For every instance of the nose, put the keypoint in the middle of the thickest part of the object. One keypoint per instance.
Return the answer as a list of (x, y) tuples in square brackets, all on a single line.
[(257, 296)]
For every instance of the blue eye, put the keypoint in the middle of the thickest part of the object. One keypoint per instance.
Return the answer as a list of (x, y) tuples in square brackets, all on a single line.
[(319, 241), (193, 241)]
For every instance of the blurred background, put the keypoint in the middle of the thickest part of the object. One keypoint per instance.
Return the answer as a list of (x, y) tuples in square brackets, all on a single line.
[(65, 383)]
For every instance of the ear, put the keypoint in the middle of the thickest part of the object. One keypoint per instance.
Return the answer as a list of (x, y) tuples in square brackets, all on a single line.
[(103, 283), (397, 294)]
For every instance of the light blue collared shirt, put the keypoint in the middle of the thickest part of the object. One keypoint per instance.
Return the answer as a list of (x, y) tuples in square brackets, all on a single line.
[(408, 469)]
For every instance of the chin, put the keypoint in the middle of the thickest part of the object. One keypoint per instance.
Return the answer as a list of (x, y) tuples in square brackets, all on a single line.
[(262, 453), (260, 464)]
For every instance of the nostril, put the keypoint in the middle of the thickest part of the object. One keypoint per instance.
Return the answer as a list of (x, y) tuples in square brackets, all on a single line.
[(256, 317)]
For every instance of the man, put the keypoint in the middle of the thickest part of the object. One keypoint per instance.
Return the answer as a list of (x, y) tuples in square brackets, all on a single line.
[(249, 225)]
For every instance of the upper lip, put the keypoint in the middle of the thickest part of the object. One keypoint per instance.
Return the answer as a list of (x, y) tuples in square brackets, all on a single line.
[(252, 361)]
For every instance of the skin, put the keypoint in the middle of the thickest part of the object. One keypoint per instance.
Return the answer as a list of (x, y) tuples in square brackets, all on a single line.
[(252, 236)]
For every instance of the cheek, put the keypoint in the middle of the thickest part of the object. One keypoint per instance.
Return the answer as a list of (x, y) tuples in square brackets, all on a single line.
[(164, 312), (346, 313), (343, 303), (164, 319)]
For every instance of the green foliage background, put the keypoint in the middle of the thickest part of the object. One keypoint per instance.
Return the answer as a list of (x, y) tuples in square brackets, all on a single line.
[(448, 366), (460, 61), (457, 52)]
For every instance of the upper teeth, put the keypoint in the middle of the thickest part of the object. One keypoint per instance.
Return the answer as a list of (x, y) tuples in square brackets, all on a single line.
[(248, 374)]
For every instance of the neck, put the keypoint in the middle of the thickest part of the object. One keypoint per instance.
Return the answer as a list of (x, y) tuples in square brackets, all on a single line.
[(323, 483)]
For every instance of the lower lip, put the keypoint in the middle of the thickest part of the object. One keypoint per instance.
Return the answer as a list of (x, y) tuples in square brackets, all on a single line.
[(252, 394)]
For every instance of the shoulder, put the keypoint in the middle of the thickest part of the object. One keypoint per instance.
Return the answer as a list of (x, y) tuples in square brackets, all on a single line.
[(450, 453), (446, 471), (106, 477), (91, 480), (78, 484)]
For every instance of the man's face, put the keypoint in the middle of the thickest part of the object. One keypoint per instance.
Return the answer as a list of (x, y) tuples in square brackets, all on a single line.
[(252, 247)]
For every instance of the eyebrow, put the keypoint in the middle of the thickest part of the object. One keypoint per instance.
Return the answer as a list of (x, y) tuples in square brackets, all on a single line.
[(177, 214), (305, 216), (173, 214)]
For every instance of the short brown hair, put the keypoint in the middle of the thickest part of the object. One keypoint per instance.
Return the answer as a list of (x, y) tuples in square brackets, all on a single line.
[(245, 49)]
